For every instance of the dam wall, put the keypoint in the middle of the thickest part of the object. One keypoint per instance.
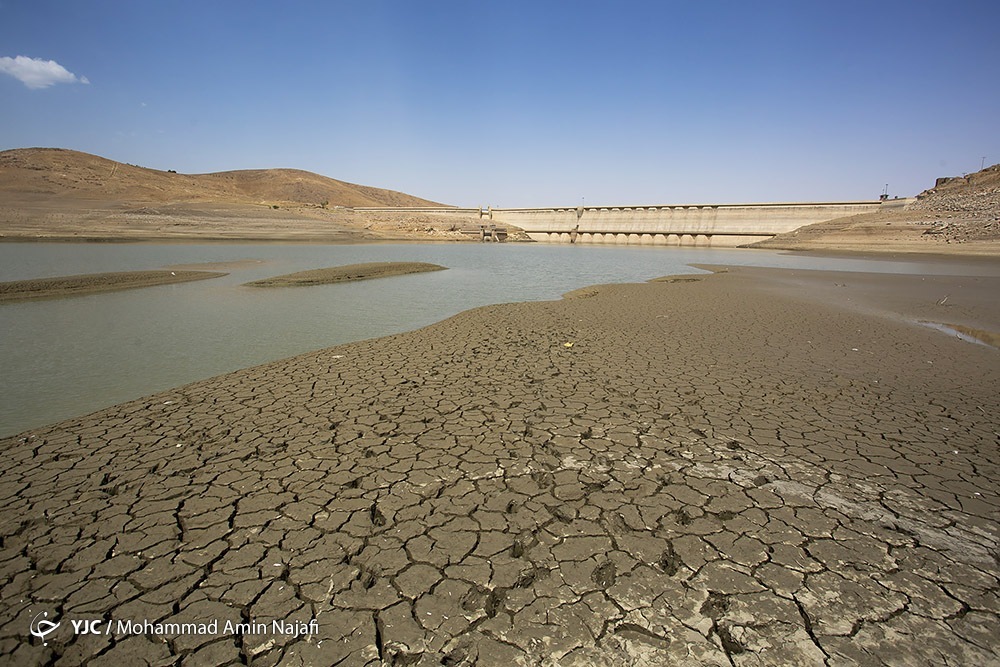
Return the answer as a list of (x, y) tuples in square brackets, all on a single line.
[(720, 225)]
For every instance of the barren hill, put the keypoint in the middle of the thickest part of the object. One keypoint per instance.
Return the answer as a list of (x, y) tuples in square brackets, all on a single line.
[(55, 173), (59, 194), (958, 215)]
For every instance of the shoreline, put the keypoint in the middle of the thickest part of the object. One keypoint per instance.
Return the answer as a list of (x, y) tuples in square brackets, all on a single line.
[(986, 250), (651, 472), (889, 255), (961, 252), (317, 240)]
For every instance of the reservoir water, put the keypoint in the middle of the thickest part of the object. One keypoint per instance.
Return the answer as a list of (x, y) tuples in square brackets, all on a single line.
[(60, 358)]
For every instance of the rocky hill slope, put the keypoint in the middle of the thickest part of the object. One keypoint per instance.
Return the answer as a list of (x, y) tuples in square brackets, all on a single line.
[(967, 208)]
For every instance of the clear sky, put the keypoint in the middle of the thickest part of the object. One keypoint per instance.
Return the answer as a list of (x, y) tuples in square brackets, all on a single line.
[(513, 103)]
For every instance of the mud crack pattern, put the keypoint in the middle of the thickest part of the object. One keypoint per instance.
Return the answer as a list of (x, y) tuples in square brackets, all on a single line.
[(689, 483)]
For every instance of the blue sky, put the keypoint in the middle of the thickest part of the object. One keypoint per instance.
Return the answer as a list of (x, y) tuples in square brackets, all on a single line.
[(519, 103)]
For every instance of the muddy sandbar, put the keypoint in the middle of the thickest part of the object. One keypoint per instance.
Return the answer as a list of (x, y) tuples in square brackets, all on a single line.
[(91, 283), (347, 273)]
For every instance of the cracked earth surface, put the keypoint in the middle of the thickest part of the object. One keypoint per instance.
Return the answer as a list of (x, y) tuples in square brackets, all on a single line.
[(706, 476)]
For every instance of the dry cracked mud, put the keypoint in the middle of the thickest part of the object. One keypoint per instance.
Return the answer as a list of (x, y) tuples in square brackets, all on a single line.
[(711, 474)]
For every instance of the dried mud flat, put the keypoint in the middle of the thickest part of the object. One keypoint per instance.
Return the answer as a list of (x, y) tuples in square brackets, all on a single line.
[(348, 273), (91, 283), (720, 472)]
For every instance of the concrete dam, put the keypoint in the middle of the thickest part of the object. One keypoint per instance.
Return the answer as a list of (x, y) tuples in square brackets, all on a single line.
[(716, 225)]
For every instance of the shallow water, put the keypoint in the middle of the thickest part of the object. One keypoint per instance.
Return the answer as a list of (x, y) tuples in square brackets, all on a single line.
[(65, 357), (951, 331)]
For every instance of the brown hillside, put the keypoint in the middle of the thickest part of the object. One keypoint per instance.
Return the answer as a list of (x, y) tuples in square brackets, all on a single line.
[(58, 194), (33, 174)]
